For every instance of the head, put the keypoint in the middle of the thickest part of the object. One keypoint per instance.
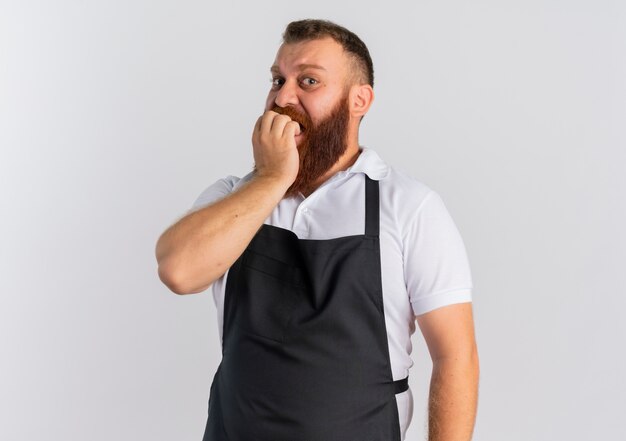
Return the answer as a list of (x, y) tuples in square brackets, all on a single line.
[(361, 67), (323, 78)]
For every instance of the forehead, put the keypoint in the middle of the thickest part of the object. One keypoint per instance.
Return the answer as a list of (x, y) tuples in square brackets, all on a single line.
[(323, 54)]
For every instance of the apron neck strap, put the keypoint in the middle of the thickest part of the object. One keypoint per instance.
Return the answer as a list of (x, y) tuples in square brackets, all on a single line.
[(372, 207)]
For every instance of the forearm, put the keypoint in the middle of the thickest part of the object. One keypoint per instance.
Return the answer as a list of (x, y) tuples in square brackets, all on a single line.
[(453, 399), (199, 248)]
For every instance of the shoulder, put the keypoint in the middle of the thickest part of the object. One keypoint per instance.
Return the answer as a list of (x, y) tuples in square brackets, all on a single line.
[(401, 182), (416, 210), (398, 189), (404, 195)]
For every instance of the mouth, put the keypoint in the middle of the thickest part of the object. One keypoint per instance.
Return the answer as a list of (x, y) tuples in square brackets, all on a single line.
[(302, 129), (293, 114)]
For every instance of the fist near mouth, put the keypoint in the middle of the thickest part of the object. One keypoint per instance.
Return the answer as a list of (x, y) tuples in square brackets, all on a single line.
[(274, 146)]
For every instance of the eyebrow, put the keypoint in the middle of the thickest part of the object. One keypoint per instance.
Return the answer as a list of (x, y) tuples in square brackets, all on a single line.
[(303, 66)]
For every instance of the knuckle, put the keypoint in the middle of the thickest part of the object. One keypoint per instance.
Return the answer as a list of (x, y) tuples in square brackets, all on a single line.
[(283, 118)]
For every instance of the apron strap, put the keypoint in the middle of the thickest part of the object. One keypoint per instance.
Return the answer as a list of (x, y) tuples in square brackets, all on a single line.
[(372, 228), (401, 385), (372, 208)]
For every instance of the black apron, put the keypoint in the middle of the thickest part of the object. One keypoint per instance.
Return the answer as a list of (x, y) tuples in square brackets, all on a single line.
[(304, 351)]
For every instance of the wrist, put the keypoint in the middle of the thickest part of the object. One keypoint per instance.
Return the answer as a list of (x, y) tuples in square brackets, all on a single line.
[(272, 183), (277, 181)]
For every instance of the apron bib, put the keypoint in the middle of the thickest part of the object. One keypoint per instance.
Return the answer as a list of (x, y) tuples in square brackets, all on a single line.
[(304, 351)]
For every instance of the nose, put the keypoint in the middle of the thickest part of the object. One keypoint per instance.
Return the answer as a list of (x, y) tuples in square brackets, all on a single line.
[(287, 94)]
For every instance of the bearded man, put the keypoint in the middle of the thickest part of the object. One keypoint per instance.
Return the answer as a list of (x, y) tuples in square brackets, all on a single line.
[(321, 260)]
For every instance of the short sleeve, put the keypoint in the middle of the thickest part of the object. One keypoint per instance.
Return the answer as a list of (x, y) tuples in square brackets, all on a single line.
[(436, 266), (214, 192)]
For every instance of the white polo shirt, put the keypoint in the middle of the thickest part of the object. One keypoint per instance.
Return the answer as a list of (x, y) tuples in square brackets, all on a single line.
[(423, 258)]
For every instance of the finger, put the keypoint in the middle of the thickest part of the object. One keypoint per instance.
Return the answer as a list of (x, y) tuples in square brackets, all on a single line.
[(292, 129), (279, 123), (257, 124), (266, 121), (257, 128)]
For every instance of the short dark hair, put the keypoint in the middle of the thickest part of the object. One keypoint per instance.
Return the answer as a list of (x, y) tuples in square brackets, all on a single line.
[(310, 29)]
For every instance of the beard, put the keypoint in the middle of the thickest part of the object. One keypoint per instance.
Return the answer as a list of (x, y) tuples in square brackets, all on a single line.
[(321, 146)]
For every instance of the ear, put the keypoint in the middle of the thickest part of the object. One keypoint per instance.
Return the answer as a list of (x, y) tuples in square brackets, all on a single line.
[(361, 98)]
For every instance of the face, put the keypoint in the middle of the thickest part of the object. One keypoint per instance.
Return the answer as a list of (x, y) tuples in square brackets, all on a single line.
[(309, 84), (320, 147)]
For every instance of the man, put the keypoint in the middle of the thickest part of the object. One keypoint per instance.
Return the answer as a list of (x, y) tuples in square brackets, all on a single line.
[(320, 261)]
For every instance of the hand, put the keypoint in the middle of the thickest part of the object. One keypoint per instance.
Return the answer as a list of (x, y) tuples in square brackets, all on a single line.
[(274, 144)]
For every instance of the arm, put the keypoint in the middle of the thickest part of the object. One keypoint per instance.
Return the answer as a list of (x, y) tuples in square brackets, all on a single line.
[(449, 335), (200, 247)]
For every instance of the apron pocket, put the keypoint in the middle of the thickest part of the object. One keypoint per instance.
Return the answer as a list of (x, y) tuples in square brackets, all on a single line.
[(266, 299)]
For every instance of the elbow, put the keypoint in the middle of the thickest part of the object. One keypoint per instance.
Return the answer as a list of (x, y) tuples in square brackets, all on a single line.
[(180, 275), (173, 280), (169, 273), (170, 280), (178, 282)]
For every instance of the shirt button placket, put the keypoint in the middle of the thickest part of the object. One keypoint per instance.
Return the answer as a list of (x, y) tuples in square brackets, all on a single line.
[(302, 226)]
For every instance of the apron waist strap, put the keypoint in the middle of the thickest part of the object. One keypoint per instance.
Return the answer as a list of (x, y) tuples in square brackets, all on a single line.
[(401, 385)]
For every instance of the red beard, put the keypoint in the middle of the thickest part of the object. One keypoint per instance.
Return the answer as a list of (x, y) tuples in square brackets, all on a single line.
[(321, 145)]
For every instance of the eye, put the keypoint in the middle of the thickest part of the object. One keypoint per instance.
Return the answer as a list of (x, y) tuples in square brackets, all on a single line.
[(308, 81), (276, 82)]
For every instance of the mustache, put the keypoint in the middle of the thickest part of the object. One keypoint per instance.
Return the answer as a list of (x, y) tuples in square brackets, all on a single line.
[(297, 116)]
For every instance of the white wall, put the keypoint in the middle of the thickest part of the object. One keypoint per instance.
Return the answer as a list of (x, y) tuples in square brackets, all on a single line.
[(115, 115)]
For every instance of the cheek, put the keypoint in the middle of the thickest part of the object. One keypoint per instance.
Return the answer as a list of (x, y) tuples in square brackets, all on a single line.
[(318, 113), (310, 113)]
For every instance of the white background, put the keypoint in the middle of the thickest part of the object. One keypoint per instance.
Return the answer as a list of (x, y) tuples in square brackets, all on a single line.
[(115, 115)]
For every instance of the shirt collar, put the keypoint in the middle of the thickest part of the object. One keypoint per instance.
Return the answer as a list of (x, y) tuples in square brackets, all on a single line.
[(367, 162), (370, 163)]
